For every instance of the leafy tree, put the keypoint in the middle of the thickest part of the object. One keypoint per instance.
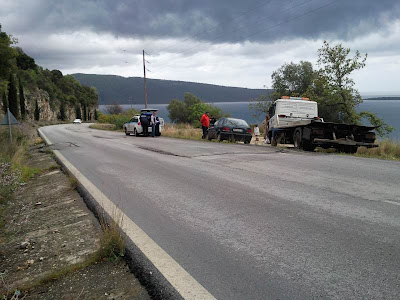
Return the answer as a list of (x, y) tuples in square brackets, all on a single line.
[(7, 53), (114, 109), (5, 103), (24, 61), (382, 128), (37, 111), (62, 110), (78, 113), (84, 113), (12, 97), (190, 110), (261, 105), (336, 68), (292, 79), (21, 99)]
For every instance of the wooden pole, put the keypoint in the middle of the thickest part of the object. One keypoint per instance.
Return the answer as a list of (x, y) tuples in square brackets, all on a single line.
[(144, 78)]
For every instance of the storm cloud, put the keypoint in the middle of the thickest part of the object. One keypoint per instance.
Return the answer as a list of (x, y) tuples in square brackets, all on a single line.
[(204, 36)]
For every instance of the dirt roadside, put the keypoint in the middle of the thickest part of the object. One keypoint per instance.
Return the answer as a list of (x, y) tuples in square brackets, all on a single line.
[(50, 243)]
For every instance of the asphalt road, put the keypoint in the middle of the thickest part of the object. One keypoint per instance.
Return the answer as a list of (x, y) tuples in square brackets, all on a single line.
[(252, 222)]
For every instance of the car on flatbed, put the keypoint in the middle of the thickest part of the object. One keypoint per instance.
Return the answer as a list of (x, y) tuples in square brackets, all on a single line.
[(230, 129), (135, 127)]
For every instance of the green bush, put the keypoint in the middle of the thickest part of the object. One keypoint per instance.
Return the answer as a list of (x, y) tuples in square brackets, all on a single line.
[(117, 120)]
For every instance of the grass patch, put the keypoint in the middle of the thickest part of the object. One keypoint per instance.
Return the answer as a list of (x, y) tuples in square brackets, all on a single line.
[(73, 182), (102, 126), (182, 131), (387, 149)]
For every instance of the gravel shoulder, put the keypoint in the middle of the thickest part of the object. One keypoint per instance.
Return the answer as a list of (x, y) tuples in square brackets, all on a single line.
[(49, 229)]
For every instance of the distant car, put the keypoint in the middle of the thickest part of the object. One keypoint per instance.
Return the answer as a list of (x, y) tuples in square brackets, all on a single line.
[(134, 126), (230, 129), (77, 121)]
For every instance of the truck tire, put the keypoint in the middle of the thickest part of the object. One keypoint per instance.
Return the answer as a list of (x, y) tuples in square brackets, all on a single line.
[(350, 149), (297, 142)]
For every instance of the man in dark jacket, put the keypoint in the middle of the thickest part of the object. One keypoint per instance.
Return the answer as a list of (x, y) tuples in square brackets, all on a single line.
[(145, 124)]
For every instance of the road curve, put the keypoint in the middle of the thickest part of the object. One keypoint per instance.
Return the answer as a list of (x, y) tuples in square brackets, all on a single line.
[(252, 222)]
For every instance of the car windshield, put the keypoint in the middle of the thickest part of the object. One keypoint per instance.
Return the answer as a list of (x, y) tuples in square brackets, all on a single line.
[(236, 122)]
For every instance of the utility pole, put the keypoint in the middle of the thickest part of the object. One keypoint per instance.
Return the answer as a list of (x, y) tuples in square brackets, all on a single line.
[(144, 78)]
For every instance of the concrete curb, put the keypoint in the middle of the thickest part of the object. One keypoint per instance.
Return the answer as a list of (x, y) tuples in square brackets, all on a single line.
[(157, 270)]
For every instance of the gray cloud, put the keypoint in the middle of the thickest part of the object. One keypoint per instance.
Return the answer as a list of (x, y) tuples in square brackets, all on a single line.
[(183, 18)]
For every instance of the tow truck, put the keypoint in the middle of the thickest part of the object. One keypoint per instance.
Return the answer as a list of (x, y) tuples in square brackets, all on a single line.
[(294, 120)]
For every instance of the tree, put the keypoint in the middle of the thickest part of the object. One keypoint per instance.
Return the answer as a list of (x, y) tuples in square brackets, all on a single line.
[(4, 101), (382, 128), (191, 109), (261, 105), (292, 79), (62, 110), (84, 113), (114, 109), (24, 61), (336, 68), (21, 99), (12, 97), (37, 111), (78, 113), (7, 53)]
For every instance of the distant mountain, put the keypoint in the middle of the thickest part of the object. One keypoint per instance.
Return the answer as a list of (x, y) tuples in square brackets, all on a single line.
[(112, 88)]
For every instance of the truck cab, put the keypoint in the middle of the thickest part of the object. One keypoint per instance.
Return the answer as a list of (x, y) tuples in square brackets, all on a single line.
[(289, 111)]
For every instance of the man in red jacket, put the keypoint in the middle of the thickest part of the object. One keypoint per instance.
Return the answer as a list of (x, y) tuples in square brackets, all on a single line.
[(205, 123)]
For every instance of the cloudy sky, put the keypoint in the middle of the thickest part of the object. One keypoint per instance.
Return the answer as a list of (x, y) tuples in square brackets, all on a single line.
[(227, 42)]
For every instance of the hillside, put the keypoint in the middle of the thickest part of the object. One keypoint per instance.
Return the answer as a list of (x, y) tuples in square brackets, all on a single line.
[(33, 93), (112, 88)]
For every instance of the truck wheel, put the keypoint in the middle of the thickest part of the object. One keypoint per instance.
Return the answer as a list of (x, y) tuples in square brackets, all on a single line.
[(297, 138), (126, 132)]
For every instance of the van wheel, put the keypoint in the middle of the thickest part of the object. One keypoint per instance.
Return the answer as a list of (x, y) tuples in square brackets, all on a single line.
[(126, 132), (297, 138)]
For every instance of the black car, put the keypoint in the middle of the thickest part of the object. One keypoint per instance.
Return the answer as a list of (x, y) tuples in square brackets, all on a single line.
[(230, 129)]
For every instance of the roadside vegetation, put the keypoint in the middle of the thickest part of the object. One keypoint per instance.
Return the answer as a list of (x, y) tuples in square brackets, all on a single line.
[(118, 118), (182, 131), (387, 149), (14, 171), (190, 110)]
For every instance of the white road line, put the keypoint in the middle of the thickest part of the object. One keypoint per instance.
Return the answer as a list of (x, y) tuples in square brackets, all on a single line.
[(181, 280)]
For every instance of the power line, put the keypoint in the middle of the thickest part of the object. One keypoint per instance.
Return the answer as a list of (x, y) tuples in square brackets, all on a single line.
[(263, 30), (243, 27), (215, 26)]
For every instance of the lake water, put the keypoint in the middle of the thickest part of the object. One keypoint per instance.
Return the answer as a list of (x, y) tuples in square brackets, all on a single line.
[(388, 110)]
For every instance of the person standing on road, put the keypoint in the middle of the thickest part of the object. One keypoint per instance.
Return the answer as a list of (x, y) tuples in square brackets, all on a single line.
[(205, 123), (257, 132), (145, 124), (153, 121)]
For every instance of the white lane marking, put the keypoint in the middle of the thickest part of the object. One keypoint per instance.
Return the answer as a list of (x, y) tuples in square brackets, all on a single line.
[(177, 276)]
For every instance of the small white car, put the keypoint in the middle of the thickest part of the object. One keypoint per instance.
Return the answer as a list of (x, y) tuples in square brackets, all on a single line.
[(77, 121), (135, 127)]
